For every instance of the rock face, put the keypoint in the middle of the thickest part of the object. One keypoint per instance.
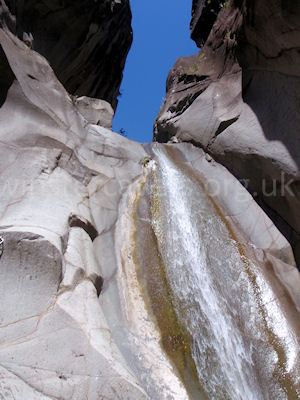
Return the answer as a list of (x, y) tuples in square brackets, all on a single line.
[(55, 341), (238, 99), (65, 185), (85, 308), (85, 42)]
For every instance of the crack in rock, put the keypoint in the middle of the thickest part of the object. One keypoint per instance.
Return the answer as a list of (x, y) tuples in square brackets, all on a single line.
[(80, 222)]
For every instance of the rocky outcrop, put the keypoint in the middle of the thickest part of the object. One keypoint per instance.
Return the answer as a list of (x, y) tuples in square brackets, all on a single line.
[(238, 99), (67, 327), (86, 310), (61, 180), (85, 42)]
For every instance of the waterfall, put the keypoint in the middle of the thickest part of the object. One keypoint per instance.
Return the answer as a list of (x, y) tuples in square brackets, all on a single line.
[(242, 345)]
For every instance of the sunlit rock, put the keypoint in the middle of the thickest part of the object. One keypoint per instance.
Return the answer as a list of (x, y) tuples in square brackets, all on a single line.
[(95, 111), (126, 273), (238, 99), (55, 341)]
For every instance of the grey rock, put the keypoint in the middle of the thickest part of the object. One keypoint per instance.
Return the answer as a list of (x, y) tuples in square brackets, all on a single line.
[(66, 184), (55, 341), (238, 99), (74, 322), (86, 43), (253, 228), (194, 197), (95, 111), (174, 139), (28, 39)]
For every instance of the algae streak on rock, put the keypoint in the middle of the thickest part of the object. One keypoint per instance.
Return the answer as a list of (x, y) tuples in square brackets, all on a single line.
[(198, 292), (122, 277), (238, 99), (151, 364), (237, 314)]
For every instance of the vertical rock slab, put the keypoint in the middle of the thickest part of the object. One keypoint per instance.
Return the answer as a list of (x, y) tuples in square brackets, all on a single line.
[(238, 99), (231, 278), (85, 42), (54, 338)]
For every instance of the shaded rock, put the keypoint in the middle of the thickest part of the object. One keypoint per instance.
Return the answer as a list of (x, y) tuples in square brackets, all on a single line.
[(82, 327), (238, 99), (6, 76), (86, 43), (33, 281)]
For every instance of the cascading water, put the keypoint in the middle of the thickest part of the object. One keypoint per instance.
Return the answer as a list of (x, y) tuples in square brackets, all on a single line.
[(242, 346)]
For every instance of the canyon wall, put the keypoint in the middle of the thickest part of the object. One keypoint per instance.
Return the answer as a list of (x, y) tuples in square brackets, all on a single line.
[(62, 175), (86, 42), (110, 249), (238, 99)]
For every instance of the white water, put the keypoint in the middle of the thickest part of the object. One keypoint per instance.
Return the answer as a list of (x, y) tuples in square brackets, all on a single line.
[(214, 296)]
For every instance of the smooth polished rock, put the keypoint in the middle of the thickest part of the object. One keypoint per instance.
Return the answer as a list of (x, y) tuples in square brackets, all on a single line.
[(248, 223), (238, 100), (96, 111), (55, 341), (67, 276)]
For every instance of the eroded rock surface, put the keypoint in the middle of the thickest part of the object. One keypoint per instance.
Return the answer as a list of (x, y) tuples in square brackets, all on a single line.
[(238, 99), (61, 180), (76, 230)]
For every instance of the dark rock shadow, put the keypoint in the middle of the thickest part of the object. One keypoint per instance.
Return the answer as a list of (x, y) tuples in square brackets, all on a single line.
[(275, 99), (6, 77), (86, 42)]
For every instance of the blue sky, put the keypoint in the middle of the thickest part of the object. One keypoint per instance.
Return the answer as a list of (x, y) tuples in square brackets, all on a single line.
[(160, 36)]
